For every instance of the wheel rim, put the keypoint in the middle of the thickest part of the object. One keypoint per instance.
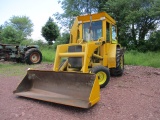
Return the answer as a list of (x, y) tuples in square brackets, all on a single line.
[(102, 77), (34, 57)]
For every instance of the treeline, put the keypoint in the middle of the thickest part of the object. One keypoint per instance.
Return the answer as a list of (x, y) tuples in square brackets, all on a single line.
[(18, 29), (137, 20)]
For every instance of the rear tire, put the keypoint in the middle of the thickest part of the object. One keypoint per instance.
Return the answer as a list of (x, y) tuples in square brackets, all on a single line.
[(103, 75), (118, 71), (33, 56)]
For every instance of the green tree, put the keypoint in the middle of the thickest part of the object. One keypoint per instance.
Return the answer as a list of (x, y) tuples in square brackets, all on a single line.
[(73, 8), (39, 43), (62, 39), (27, 42), (135, 19), (1, 27), (154, 41), (11, 36), (50, 31), (21, 23)]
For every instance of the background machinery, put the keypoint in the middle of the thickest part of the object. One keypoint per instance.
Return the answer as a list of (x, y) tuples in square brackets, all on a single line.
[(24, 54), (80, 67)]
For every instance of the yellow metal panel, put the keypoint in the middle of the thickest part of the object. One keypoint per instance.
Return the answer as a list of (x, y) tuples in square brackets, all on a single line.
[(104, 30), (97, 16), (81, 31), (95, 93), (73, 54), (112, 56), (89, 48), (102, 52), (60, 49), (105, 60), (110, 36), (74, 31), (97, 56)]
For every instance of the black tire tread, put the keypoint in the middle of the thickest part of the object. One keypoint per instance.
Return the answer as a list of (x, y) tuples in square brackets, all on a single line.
[(29, 52), (118, 71)]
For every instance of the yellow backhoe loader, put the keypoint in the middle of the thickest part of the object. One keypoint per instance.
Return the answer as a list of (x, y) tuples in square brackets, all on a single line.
[(81, 67)]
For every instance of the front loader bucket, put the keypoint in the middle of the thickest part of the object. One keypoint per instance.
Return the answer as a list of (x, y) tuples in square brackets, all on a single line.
[(68, 88)]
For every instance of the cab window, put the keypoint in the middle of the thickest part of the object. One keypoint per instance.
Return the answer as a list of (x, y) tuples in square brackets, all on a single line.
[(92, 31), (114, 33)]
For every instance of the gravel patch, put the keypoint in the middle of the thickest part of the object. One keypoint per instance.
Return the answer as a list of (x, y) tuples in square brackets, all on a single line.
[(133, 96)]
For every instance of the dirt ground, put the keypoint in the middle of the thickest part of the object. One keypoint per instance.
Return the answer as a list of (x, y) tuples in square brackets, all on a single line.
[(134, 96)]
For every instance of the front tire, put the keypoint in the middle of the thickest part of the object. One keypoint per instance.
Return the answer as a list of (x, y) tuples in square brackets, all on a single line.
[(33, 56), (103, 75)]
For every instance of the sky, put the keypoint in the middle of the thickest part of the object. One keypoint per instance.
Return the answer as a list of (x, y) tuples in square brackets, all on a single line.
[(37, 10)]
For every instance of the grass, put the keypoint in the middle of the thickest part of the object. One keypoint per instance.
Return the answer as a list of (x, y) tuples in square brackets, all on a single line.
[(48, 54), (12, 69), (19, 69), (133, 57), (151, 59)]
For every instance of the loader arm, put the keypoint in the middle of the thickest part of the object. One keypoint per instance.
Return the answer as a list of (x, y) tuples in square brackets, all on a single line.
[(87, 51)]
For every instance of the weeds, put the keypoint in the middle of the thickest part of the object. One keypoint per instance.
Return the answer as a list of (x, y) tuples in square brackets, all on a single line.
[(48, 53), (132, 57), (151, 59)]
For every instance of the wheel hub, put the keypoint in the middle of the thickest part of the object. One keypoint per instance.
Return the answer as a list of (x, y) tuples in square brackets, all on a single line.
[(101, 77), (35, 58)]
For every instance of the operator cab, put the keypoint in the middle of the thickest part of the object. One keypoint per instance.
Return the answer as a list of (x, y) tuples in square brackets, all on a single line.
[(92, 31)]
